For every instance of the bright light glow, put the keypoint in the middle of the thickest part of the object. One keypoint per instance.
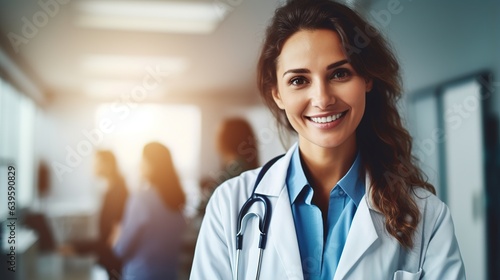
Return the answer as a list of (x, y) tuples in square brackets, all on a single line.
[(130, 66), (176, 126), (108, 88), (154, 16)]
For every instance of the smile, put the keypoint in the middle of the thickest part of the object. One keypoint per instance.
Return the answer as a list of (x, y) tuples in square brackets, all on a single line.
[(328, 119)]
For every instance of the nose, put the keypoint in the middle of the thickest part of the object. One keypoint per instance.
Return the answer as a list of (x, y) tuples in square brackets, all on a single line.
[(322, 96)]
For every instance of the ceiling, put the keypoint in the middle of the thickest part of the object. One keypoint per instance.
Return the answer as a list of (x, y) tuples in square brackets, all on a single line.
[(70, 61)]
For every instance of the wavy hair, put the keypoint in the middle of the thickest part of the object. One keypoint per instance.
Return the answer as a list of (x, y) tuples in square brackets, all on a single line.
[(385, 145)]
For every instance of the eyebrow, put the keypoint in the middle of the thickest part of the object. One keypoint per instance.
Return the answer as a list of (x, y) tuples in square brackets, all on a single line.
[(305, 71)]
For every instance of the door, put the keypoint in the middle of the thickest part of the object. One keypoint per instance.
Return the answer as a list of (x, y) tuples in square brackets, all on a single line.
[(446, 124), (465, 172)]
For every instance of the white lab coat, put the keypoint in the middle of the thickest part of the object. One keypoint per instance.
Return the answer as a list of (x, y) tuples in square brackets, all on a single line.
[(370, 251)]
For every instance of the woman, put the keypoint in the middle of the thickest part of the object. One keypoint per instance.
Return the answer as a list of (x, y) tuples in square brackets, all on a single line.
[(150, 238), (237, 147), (110, 216), (347, 201)]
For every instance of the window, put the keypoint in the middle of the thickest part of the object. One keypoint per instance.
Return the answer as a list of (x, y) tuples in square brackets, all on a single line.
[(16, 145)]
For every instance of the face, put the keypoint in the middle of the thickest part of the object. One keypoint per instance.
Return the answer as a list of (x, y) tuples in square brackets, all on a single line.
[(319, 90)]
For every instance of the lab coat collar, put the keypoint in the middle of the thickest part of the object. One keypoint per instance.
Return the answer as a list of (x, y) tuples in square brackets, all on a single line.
[(274, 180), (368, 197), (283, 236), (362, 234)]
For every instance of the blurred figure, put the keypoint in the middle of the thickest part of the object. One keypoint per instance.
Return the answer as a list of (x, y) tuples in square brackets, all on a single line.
[(149, 242), (236, 143), (35, 218), (237, 147), (109, 217)]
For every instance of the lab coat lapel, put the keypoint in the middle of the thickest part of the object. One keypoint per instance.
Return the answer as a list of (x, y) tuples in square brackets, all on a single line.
[(362, 235), (283, 237), (282, 234)]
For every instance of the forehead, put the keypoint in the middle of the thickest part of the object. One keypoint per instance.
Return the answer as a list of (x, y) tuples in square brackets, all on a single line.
[(309, 48)]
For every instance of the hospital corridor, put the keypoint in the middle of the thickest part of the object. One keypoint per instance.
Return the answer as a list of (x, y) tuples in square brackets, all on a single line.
[(120, 118)]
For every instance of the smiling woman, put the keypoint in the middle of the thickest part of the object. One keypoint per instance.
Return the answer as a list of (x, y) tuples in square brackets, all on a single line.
[(321, 93), (348, 201)]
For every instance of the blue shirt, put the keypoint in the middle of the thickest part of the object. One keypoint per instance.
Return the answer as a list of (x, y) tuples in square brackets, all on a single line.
[(321, 245), (150, 239)]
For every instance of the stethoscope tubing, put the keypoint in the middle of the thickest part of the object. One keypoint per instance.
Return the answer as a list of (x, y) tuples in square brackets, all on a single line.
[(263, 221)]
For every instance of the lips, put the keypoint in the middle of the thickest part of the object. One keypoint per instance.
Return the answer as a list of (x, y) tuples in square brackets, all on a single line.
[(328, 118)]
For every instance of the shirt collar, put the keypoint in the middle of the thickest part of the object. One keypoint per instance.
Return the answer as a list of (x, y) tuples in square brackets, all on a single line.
[(352, 183), (296, 179)]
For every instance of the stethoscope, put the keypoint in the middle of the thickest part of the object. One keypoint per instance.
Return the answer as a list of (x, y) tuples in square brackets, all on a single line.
[(244, 215)]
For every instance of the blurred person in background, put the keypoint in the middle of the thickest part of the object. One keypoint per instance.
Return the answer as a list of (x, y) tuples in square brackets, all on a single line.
[(111, 213), (149, 241), (237, 148), (35, 218)]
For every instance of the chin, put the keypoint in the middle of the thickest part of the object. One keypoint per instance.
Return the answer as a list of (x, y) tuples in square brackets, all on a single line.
[(333, 142)]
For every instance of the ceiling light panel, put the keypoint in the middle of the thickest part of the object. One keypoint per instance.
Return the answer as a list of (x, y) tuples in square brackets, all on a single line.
[(157, 16)]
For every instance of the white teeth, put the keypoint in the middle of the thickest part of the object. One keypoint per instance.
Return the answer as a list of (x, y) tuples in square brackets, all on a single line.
[(327, 119)]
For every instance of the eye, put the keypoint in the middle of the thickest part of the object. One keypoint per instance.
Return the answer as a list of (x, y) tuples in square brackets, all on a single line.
[(341, 74), (297, 81)]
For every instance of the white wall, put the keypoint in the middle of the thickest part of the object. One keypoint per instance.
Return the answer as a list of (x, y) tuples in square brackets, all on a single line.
[(58, 133)]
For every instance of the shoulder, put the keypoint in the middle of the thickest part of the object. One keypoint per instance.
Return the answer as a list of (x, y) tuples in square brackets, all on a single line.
[(435, 214), (239, 186), (435, 239), (427, 202)]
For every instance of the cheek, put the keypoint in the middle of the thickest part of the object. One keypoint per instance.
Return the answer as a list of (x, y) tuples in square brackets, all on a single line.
[(356, 96), (288, 102), (295, 108)]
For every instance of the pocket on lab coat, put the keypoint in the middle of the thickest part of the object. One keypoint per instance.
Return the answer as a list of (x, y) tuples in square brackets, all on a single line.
[(405, 275)]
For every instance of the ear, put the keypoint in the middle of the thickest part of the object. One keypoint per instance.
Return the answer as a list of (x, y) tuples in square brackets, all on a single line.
[(369, 85), (277, 98)]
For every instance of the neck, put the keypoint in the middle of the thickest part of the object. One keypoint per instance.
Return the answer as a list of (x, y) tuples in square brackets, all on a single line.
[(326, 166)]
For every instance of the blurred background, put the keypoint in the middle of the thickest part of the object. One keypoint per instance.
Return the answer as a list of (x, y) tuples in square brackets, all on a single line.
[(77, 76)]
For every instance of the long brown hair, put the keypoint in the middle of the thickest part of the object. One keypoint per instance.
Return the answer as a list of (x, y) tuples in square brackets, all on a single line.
[(163, 176), (384, 144)]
